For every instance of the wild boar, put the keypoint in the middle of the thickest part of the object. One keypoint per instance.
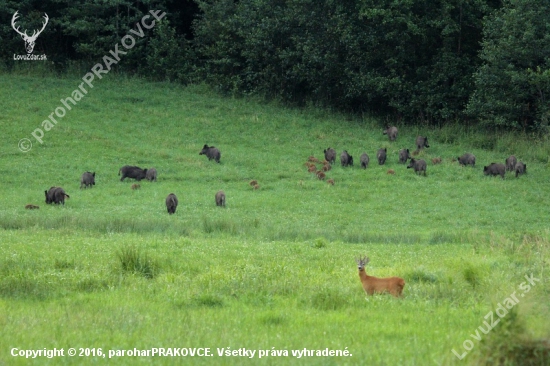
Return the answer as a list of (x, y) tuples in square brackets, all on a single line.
[(391, 131), (521, 168), (421, 142), (364, 159), (419, 166), (151, 175), (171, 203), (220, 198), (495, 169), (56, 195), (467, 159), (381, 156), (87, 179), (31, 207), (132, 172), (404, 155), (346, 159), (211, 152), (135, 186), (511, 162), (436, 161), (330, 155)]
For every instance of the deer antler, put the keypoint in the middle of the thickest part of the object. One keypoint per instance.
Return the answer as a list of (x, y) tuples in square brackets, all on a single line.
[(13, 19)]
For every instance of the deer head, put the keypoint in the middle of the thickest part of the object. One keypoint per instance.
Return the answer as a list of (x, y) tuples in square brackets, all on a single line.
[(362, 262), (29, 40)]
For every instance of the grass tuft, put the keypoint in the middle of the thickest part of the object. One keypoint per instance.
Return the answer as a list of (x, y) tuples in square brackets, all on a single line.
[(133, 261)]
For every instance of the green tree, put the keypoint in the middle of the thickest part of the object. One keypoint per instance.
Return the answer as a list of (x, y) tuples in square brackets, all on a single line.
[(513, 84), (412, 58), (168, 56)]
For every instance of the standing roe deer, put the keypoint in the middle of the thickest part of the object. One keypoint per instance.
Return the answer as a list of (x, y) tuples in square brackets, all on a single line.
[(372, 285)]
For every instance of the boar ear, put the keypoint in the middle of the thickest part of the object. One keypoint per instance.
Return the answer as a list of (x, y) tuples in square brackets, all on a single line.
[(93, 174), (385, 150), (407, 150)]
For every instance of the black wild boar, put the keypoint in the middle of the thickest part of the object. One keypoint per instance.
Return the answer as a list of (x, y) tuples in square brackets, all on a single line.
[(521, 168), (511, 162), (495, 169), (404, 155), (421, 142), (419, 166), (132, 172), (467, 159), (151, 175), (220, 198), (346, 159), (364, 159), (381, 156), (211, 152), (56, 195), (391, 131), (330, 155), (87, 179), (171, 203)]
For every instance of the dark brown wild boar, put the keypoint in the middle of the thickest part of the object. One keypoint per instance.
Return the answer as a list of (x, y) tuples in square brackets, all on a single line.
[(220, 198), (171, 203), (421, 142), (211, 152), (87, 179), (404, 155), (346, 159), (467, 159), (151, 175), (330, 155), (133, 172), (364, 159), (419, 166), (495, 169), (56, 195), (381, 156), (391, 131), (521, 168), (511, 162)]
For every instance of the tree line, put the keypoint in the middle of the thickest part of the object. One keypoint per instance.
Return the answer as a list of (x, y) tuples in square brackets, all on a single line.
[(481, 62)]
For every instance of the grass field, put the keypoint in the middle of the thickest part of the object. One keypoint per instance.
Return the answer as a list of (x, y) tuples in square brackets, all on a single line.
[(275, 269)]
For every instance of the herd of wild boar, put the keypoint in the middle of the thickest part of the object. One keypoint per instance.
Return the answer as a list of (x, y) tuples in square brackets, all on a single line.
[(57, 195), (418, 165)]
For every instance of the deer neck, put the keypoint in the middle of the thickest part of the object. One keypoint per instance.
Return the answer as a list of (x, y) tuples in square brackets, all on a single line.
[(363, 275)]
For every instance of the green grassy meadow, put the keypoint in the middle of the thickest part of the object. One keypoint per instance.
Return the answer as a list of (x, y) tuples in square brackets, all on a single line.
[(275, 269)]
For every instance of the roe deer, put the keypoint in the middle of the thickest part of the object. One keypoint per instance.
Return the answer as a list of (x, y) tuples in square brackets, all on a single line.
[(372, 285)]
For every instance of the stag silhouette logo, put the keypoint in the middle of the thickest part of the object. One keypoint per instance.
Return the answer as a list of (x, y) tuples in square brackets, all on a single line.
[(29, 40)]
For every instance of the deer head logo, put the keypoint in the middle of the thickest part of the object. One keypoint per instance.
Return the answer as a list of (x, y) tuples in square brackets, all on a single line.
[(29, 40)]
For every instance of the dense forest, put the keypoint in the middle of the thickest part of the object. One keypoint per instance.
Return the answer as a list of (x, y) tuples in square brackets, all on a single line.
[(484, 62)]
